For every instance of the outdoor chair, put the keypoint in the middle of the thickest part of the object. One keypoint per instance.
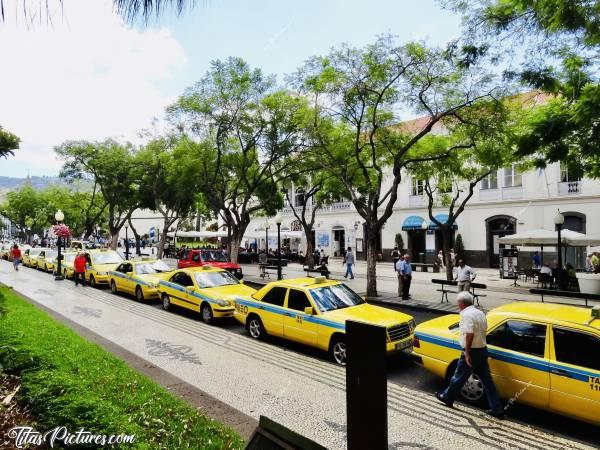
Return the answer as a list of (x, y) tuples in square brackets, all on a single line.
[(545, 280)]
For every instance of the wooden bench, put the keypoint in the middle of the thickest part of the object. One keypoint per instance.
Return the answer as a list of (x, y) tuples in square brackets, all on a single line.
[(446, 291), (267, 270), (565, 294), (424, 267), (322, 272)]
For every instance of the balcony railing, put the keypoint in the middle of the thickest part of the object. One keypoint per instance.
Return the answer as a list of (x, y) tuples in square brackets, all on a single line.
[(339, 206), (487, 195), (569, 187), (416, 200), (512, 192)]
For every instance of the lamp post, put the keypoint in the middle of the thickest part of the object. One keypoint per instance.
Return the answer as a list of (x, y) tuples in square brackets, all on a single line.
[(59, 216), (267, 235), (425, 227), (28, 234), (278, 220), (559, 221), (126, 244)]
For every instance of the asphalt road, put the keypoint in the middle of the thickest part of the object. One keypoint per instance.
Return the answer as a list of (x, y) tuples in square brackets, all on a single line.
[(403, 371)]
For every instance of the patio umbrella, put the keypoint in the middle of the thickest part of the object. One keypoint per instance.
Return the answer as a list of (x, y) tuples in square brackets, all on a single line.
[(540, 236)]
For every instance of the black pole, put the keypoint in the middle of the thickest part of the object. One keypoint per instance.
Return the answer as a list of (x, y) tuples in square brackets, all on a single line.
[(126, 244), (279, 251), (267, 239), (59, 275), (559, 227)]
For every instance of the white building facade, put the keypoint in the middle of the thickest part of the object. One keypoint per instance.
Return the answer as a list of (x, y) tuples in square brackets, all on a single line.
[(504, 203)]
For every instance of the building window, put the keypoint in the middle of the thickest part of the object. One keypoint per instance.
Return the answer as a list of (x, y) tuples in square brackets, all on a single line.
[(512, 176), (299, 199), (418, 187), (491, 181), (570, 172)]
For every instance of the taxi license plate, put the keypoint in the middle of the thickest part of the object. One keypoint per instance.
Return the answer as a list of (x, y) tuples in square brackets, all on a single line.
[(403, 345)]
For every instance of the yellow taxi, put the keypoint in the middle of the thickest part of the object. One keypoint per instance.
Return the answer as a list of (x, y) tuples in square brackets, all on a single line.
[(100, 262), (208, 290), (31, 255), (47, 260), (313, 311), (66, 265), (140, 278), (543, 355)]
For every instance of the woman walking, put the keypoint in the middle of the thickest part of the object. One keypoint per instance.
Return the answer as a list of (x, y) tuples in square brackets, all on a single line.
[(16, 256)]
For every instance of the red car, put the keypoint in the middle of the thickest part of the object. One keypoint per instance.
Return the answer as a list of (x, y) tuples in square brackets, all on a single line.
[(215, 258)]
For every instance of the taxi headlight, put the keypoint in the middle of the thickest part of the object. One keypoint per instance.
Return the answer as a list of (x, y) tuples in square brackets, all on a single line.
[(101, 273), (411, 325), (222, 302)]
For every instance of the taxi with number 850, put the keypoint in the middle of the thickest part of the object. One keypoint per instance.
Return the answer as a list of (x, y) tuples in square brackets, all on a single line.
[(313, 311)]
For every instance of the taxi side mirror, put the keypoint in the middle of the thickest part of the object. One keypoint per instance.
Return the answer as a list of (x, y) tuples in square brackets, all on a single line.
[(241, 281), (129, 273), (189, 288), (309, 310)]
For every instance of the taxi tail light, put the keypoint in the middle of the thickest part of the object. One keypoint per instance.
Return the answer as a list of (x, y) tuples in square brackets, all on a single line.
[(416, 342)]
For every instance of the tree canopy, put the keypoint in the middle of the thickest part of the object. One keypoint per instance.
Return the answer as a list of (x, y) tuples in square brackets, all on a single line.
[(9, 142)]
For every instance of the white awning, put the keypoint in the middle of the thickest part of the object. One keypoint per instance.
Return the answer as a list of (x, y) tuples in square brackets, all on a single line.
[(198, 234), (540, 236)]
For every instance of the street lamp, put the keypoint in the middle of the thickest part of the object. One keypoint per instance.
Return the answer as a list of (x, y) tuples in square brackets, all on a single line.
[(267, 235), (278, 220), (559, 221), (28, 235), (59, 216), (126, 244), (425, 227)]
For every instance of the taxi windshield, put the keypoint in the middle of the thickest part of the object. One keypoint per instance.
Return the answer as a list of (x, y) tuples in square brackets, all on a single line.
[(145, 269), (35, 251), (336, 296), (51, 254), (70, 257), (214, 279), (214, 256), (106, 258)]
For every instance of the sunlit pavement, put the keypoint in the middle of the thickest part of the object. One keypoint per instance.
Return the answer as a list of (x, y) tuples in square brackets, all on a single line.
[(297, 388)]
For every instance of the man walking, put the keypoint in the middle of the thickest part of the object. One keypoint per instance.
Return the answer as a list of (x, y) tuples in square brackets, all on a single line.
[(349, 261), (16, 256), (79, 264), (395, 257), (464, 276), (474, 356), (406, 275)]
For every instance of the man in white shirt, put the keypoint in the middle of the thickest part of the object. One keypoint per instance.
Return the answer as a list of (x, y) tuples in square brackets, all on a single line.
[(464, 275), (474, 358), (546, 269)]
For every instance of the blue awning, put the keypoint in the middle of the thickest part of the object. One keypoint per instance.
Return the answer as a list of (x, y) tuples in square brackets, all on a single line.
[(412, 223), (442, 218)]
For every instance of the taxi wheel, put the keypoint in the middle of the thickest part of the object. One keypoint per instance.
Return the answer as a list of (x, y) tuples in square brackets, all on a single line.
[(166, 302), (206, 313), (139, 294), (473, 391), (338, 351), (255, 328), (92, 281), (113, 287)]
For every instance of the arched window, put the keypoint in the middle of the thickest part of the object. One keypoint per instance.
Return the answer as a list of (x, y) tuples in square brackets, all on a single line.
[(299, 198)]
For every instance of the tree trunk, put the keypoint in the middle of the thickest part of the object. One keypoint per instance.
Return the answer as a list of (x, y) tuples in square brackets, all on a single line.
[(234, 243), (163, 239), (114, 238), (136, 236), (446, 237), (310, 260), (371, 263)]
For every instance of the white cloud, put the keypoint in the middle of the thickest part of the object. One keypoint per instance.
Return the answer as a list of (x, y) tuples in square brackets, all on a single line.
[(89, 75)]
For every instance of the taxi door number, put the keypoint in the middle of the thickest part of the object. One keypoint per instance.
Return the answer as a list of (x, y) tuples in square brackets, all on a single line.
[(242, 309)]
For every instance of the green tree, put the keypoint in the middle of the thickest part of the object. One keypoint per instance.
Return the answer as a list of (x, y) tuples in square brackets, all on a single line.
[(164, 187), (482, 144), (357, 94), (399, 241), (8, 142), (561, 41), (459, 248), (111, 165), (27, 208), (247, 132)]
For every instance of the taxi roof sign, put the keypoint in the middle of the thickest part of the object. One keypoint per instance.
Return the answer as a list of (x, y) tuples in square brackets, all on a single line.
[(319, 280)]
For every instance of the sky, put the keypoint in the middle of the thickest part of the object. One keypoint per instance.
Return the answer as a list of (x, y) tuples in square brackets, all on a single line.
[(90, 75)]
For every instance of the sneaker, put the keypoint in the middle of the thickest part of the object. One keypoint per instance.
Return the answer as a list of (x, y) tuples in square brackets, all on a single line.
[(438, 395)]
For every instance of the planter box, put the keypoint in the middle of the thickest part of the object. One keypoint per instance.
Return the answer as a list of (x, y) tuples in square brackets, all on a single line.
[(589, 283)]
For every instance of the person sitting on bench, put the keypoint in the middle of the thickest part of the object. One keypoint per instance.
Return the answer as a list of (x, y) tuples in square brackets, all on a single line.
[(464, 275)]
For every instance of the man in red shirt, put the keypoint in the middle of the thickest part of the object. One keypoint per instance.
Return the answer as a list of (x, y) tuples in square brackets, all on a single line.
[(16, 256), (79, 268)]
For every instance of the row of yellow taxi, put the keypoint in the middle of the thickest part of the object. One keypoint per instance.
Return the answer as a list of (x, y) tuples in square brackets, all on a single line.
[(544, 355)]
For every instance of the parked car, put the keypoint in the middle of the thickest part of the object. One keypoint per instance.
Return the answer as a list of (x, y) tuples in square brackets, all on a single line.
[(543, 355), (207, 290), (140, 278), (99, 264), (313, 311), (212, 257)]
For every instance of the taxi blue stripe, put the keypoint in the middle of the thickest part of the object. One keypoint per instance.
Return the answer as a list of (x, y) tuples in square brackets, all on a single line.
[(193, 294), (126, 277), (285, 312), (524, 361)]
